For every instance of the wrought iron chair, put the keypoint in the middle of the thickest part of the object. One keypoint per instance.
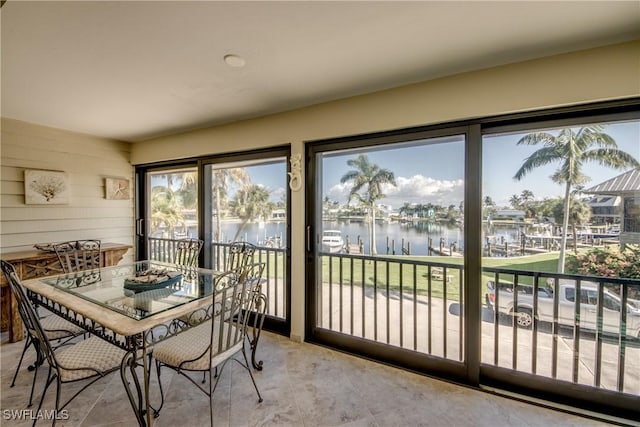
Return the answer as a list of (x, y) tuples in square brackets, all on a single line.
[(240, 255), (187, 251), (253, 274), (54, 327), (92, 358), (78, 255), (212, 343)]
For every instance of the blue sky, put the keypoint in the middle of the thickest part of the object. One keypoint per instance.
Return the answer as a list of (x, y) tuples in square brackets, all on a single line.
[(502, 158), (434, 172)]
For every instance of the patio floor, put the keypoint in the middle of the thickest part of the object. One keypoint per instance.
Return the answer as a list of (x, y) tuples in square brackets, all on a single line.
[(302, 385)]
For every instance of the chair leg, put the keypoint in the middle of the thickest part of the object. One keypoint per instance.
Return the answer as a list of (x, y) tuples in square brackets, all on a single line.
[(211, 396), (27, 342), (33, 385), (156, 413), (58, 384), (251, 375), (44, 392)]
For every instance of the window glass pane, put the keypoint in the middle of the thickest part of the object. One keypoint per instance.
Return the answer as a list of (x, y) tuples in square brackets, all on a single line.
[(173, 204), (248, 203), (559, 201), (389, 241)]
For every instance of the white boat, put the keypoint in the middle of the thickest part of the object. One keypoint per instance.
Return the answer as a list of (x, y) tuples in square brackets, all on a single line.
[(332, 241)]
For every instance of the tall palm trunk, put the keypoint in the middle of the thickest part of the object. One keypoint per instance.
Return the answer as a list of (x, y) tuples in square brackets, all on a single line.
[(565, 227), (373, 232)]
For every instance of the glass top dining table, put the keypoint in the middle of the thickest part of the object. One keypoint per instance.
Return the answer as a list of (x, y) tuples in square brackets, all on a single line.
[(140, 290)]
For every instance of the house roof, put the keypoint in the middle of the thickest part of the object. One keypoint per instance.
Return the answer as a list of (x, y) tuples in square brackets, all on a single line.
[(605, 201), (628, 182)]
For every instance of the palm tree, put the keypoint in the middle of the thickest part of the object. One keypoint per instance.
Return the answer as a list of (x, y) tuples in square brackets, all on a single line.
[(572, 149), (488, 207), (188, 190), (221, 179), (251, 203), (165, 210), (515, 201), (368, 180), (579, 214), (526, 197)]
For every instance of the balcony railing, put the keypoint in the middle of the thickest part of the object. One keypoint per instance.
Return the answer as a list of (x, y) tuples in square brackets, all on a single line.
[(417, 305), (394, 300), (583, 329), (161, 249), (275, 273)]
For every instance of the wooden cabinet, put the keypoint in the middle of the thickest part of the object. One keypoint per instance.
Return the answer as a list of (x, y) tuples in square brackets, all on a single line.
[(33, 263)]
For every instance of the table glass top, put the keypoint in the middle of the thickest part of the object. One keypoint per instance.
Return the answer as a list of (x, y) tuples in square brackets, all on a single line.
[(138, 290)]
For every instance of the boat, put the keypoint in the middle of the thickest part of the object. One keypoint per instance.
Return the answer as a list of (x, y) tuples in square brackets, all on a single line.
[(332, 241)]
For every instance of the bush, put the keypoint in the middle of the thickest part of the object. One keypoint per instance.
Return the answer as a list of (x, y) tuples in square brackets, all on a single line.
[(608, 262)]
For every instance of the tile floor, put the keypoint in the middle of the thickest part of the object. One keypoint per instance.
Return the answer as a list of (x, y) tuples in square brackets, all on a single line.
[(302, 385)]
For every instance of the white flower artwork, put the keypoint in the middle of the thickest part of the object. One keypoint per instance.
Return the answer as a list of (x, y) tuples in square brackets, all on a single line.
[(42, 187)]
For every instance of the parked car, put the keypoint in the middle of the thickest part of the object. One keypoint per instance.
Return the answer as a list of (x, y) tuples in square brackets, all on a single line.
[(524, 315)]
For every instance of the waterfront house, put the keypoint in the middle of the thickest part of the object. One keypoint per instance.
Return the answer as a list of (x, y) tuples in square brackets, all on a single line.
[(625, 186)]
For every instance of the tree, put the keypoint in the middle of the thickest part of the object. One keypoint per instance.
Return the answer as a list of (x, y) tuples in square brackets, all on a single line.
[(221, 179), (488, 207), (515, 202), (368, 180), (165, 210), (188, 190), (579, 214), (526, 203), (251, 203), (572, 149)]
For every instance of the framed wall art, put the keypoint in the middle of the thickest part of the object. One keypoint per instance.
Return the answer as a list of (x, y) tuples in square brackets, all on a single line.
[(116, 188), (43, 187)]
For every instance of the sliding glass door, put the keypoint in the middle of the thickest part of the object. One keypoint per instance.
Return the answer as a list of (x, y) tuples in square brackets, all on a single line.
[(221, 200), (246, 199), (388, 240)]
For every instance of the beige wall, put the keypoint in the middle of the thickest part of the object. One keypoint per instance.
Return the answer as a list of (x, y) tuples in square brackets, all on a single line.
[(594, 75), (87, 160)]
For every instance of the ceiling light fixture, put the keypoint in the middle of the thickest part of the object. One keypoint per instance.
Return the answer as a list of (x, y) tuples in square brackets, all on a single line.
[(234, 61)]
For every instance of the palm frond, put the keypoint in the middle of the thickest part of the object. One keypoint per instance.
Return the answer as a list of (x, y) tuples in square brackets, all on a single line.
[(541, 157), (536, 138)]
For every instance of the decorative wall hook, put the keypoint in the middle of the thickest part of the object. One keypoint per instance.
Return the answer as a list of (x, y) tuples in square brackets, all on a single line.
[(295, 176)]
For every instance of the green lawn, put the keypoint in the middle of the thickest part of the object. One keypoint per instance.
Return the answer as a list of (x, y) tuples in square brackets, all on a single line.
[(381, 273), (390, 275)]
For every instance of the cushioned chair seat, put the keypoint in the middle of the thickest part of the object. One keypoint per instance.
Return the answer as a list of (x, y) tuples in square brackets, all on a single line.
[(190, 349), (56, 327), (94, 353)]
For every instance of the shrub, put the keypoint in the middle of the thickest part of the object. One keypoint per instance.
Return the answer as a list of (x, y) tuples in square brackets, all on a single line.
[(608, 262)]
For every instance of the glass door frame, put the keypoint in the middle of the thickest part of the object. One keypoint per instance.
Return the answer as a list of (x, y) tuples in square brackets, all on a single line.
[(477, 374), (277, 325), (458, 371)]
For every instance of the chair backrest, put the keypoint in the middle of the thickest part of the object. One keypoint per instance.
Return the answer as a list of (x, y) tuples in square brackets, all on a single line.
[(28, 313), (232, 296), (240, 255), (78, 255), (187, 251), (252, 273)]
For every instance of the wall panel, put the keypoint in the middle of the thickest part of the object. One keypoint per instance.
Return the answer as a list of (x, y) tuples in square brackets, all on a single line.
[(87, 161)]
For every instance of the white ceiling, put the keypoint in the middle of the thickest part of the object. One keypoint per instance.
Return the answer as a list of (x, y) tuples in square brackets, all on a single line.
[(137, 70)]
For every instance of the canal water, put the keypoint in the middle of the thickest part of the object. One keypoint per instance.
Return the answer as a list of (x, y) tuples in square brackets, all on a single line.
[(416, 234)]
